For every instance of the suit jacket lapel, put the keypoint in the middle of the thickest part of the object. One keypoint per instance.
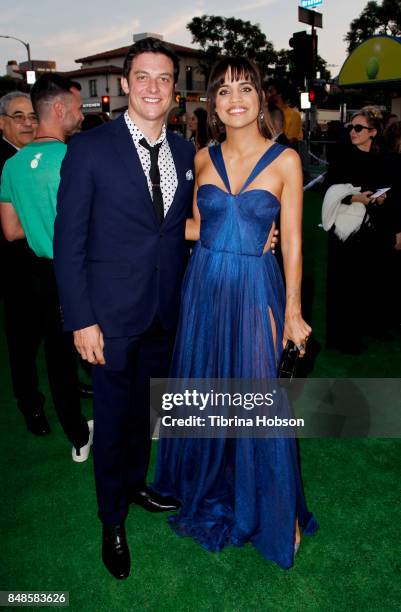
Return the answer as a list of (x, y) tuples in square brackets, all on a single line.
[(180, 169), (127, 152)]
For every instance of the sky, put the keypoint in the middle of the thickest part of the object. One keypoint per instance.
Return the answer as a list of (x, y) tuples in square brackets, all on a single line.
[(63, 31)]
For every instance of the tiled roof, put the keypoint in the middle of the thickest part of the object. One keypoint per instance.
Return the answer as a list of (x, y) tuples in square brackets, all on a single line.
[(122, 51), (96, 70)]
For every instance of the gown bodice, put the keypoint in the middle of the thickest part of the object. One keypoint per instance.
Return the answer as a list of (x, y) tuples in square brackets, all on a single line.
[(237, 223)]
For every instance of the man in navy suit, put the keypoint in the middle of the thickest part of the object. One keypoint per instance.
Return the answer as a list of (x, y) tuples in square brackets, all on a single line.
[(119, 250)]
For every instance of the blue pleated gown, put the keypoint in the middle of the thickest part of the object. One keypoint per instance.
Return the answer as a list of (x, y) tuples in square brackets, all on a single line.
[(234, 491)]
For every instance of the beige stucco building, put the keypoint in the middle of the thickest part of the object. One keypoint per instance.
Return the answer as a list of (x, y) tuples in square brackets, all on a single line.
[(100, 75)]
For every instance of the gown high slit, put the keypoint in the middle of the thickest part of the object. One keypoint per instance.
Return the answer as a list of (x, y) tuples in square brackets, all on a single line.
[(231, 325)]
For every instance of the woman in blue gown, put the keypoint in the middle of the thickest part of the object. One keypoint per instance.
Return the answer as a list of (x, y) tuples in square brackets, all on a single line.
[(235, 319)]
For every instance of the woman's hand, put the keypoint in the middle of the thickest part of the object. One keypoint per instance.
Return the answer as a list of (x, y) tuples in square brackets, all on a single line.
[(363, 197), (379, 200), (297, 330)]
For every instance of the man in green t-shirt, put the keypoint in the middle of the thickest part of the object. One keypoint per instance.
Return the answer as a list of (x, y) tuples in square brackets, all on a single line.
[(28, 196), (29, 186)]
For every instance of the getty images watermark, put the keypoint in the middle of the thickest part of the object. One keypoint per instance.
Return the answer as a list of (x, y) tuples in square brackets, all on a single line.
[(232, 408), (207, 401)]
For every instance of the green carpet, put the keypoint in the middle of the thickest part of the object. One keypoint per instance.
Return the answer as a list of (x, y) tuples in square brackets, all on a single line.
[(50, 537)]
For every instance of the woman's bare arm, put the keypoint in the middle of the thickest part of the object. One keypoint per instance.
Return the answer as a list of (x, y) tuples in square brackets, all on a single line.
[(192, 227), (295, 328)]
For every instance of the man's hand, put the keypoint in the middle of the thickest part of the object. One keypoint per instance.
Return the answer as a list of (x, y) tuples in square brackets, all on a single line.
[(275, 241), (10, 222), (90, 344)]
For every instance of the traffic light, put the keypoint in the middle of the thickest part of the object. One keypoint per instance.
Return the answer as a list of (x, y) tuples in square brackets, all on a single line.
[(312, 96), (304, 55), (183, 104), (105, 104)]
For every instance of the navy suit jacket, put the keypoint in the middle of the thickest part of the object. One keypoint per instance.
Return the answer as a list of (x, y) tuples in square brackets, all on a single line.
[(115, 264)]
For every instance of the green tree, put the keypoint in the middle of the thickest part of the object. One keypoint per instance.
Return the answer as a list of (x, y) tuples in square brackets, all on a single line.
[(376, 18), (8, 83), (283, 63), (321, 66), (219, 36)]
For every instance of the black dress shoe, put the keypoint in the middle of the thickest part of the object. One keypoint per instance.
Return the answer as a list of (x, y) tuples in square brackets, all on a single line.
[(37, 423), (85, 391), (115, 551), (153, 502)]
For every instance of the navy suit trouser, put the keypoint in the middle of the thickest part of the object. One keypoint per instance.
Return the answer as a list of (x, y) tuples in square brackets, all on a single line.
[(121, 409)]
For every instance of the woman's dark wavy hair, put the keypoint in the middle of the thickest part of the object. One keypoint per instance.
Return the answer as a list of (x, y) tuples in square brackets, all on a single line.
[(392, 136), (201, 134), (239, 68)]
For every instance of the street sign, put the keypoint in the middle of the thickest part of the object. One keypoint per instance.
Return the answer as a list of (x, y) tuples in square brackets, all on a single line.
[(310, 3), (86, 105), (305, 102), (30, 77), (312, 18)]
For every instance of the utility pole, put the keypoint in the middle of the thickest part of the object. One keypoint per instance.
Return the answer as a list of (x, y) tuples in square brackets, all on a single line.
[(26, 45), (315, 20)]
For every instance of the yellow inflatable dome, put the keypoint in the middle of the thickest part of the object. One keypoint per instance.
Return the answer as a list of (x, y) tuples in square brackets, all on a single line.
[(376, 60)]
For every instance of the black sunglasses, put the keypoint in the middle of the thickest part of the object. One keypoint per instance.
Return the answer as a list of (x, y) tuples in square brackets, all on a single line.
[(357, 127)]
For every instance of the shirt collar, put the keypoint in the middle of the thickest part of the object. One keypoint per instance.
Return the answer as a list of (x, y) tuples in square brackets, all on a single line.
[(137, 134)]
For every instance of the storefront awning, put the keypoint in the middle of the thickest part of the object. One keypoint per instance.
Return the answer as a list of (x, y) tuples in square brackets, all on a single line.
[(377, 60)]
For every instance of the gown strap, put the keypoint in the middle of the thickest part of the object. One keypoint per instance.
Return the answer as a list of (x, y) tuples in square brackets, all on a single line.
[(267, 158), (217, 158)]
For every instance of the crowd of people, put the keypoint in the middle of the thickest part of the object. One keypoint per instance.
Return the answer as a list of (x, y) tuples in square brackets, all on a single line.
[(96, 259), (31, 305)]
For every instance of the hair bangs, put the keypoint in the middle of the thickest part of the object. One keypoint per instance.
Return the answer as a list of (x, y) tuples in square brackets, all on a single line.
[(236, 69)]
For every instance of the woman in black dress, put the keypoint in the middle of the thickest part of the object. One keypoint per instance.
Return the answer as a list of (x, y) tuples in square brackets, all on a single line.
[(358, 283)]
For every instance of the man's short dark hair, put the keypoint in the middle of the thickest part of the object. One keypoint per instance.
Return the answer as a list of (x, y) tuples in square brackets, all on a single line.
[(49, 86), (150, 45)]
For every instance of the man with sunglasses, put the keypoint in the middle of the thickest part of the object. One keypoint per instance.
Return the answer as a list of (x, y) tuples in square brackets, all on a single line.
[(18, 123)]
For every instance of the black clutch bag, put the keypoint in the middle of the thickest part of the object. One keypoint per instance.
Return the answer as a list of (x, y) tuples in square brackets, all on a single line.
[(288, 361)]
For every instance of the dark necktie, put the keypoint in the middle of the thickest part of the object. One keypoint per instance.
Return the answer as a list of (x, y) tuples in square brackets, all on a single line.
[(154, 175)]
